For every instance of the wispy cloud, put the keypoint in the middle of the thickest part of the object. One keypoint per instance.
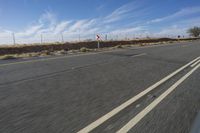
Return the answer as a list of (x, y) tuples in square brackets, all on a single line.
[(61, 27), (182, 13), (82, 25), (128, 30), (5, 33), (173, 30), (100, 8), (122, 12), (30, 31), (48, 18), (49, 25), (189, 22)]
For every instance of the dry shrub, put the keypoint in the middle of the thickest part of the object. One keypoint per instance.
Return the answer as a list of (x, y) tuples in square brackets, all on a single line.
[(84, 49), (8, 57)]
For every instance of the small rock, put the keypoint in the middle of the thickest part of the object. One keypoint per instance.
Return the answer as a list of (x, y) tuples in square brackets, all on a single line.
[(138, 105)]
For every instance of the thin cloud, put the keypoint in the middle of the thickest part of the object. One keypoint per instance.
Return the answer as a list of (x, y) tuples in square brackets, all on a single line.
[(100, 8), (82, 25), (61, 27), (128, 30), (48, 24), (30, 31), (77, 25), (189, 22), (171, 31), (5, 33), (123, 12), (48, 18), (181, 13)]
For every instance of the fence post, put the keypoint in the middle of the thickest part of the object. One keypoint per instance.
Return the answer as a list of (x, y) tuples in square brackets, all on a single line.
[(41, 37), (94, 37), (106, 37), (79, 36), (13, 36), (62, 38)]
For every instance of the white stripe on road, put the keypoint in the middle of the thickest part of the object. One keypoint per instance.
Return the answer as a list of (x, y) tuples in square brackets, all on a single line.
[(150, 107), (195, 63), (116, 110), (139, 55)]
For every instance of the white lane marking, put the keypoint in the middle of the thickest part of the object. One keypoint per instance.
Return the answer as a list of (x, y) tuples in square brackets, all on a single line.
[(185, 46), (150, 107), (139, 55), (116, 110), (195, 63)]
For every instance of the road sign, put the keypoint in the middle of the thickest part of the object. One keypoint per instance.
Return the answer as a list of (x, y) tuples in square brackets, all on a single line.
[(98, 37)]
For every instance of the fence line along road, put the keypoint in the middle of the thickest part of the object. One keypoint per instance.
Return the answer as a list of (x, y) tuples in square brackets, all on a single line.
[(18, 38)]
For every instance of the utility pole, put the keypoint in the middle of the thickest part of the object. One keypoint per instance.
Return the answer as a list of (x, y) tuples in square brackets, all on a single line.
[(62, 37), (41, 37), (117, 37), (13, 35), (79, 36), (133, 36), (106, 37), (94, 37)]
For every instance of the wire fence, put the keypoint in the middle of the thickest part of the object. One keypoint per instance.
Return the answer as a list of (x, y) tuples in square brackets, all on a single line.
[(12, 38)]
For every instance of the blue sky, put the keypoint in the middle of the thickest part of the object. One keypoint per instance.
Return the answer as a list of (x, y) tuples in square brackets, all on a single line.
[(28, 18)]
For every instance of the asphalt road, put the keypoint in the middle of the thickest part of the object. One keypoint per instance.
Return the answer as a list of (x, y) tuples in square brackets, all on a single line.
[(71, 93)]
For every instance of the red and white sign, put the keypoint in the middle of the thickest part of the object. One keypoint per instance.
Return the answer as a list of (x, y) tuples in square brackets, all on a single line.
[(98, 37)]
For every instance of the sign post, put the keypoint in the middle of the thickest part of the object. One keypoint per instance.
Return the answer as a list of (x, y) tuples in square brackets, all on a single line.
[(98, 38)]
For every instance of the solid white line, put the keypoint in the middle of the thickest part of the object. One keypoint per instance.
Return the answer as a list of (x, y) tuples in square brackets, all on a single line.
[(150, 107), (195, 63), (116, 110)]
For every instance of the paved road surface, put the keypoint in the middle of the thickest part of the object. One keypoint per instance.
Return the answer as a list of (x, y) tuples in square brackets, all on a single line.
[(90, 92)]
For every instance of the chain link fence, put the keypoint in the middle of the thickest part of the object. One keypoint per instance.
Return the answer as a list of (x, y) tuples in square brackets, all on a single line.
[(16, 38)]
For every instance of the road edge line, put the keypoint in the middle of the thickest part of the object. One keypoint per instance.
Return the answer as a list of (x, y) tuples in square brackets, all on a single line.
[(193, 65), (152, 105)]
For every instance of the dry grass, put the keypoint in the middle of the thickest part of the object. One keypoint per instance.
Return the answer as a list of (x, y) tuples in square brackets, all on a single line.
[(8, 57), (84, 49), (142, 44), (61, 52), (118, 46), (50, 52)]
